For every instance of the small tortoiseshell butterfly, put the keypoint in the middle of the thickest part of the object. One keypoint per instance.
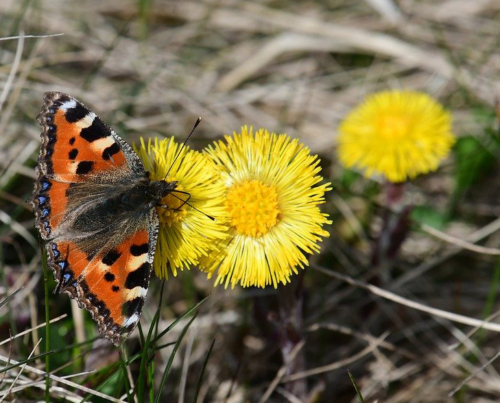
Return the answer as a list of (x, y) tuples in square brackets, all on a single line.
[(95, 208)]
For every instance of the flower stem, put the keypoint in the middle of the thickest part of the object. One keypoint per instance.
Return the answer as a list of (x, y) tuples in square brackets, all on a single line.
[(290, 332), (394, 230)]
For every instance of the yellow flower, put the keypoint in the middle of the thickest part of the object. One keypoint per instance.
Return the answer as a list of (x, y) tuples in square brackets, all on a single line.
[(185, 234), (272, 201), (398, 134)]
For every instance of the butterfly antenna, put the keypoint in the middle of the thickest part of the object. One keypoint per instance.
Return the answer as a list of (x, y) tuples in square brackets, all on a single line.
[(183, 145), (193, 207)]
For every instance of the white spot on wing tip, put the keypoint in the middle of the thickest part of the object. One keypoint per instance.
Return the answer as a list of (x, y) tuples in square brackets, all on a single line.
[(130, 321), (68, 105)]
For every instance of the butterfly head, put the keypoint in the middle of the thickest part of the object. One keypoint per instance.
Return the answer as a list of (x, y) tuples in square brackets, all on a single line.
[(161, 189)]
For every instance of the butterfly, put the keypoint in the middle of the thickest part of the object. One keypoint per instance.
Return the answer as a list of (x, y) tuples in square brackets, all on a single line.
[(95, 208)]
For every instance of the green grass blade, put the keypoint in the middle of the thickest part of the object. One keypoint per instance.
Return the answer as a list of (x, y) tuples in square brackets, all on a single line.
[(47, 319), (146, 345), (356, 388), (174, 323), (123, 366), (171, 359), (9, 297), (202, 372)]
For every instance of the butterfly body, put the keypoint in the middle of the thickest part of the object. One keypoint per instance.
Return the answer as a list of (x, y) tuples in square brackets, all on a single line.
[(95, 207)]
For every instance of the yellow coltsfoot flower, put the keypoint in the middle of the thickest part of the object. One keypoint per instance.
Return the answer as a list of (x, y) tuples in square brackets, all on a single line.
[(185, 234), (397, 134), (272, 202)]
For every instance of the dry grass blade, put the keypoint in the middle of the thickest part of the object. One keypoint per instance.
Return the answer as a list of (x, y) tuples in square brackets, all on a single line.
[(388, 9), (459, 242), (9, 391), (62, 380), (281, 373), (17, 227), (356, 39), (412, 304), (478, 235), (13, 70), (284, 43), (56, 390), (289, 397), (362, 336), (471, 376), (336, 365), (32, 329), (8, 38)]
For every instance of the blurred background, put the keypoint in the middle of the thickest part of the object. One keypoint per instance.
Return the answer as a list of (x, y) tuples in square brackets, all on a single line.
[(150, 68)]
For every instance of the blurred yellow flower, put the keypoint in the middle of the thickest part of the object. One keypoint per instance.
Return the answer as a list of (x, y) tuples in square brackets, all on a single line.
[(398, 134), (185, 234), (272, 200)]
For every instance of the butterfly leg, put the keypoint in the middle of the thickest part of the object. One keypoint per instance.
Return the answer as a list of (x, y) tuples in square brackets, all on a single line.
[(177, 197), (182, 200)]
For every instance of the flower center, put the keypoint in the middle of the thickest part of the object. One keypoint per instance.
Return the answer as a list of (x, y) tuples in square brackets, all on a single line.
[(391, 127), (176, 208), (253, 207)]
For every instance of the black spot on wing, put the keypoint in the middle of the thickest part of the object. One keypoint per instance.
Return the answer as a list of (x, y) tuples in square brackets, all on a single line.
[(73, 153), (104, 312), (115, 288), (100, 305), (138, 250), (110, 151), (97, 130), (139, 277), (84, 167), (75, 114), (111, 257), (72, 141), (109, 277), (133, 307), (84, 286), (52, 138)]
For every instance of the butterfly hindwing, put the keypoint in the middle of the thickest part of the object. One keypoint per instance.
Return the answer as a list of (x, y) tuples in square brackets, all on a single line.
[(112, 283)]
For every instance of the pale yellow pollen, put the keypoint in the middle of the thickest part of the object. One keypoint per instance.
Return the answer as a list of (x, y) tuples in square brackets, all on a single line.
[(176, 208), (253, 207)]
